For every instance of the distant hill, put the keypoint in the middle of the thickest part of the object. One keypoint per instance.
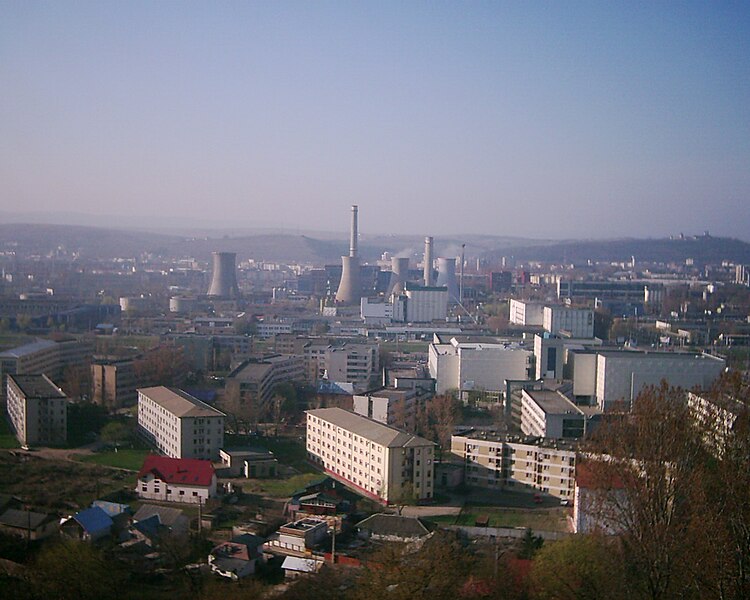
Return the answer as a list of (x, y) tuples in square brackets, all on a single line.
[(702, 249), (326, 248)]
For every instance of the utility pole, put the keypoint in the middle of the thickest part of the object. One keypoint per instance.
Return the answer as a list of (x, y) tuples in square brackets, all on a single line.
[(333, 543), (461, 277)]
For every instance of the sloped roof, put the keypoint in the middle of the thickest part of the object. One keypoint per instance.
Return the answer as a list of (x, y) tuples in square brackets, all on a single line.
[(369, 429), (23, 519), (178, 471), (167, 515), (93, 520), (179, 402), (111, 508), (394, 525)]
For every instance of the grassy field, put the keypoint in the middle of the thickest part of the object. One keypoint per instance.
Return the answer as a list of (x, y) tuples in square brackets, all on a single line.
[(535, 519), (58, 484), (7, 439), (280, 488), (124, 458)]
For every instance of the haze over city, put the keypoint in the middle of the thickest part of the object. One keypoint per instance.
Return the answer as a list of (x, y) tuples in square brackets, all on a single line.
[(585, 120)]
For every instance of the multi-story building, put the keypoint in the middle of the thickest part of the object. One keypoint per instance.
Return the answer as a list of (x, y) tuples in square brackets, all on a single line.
[(393, 407), (425, 304), (644, 294), (477, 366), (44, 356), (351, 363), (576, 322), (497, 461), (179, 425), (113, 382), (549, 414), (529, 314), (379, 461), (37, 409), (255, 379)]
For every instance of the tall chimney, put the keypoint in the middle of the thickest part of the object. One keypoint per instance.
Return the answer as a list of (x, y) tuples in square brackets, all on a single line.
[(353, 235), (349, 291), (428, 261)]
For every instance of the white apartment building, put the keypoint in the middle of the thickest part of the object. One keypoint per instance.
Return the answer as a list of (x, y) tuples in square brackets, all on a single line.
[(497, 461), (179, 425), (530, 314), (576, 322), (469, 366), (37, 410), (379, 461)]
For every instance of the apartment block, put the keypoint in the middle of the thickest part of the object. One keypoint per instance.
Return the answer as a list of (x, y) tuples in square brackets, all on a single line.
[(390, 406), (549, 414), (257, 378), (496, 461), (179, 425), (529, 314), (381, 462), (37, 410), (113, 382)]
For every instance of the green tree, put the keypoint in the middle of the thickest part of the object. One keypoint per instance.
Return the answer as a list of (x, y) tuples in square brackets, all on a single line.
[(75, 571), (116, 433)]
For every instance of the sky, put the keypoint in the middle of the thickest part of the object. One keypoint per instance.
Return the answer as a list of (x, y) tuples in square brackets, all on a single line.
[(548, 120)]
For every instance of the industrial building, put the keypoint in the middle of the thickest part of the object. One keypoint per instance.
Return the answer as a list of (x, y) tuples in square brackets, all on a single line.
[(612, 379), (350, 289), (381, 462), (574, 322), (477, 366), (37, 410), (528, 314), (224, 276), (178, 424)]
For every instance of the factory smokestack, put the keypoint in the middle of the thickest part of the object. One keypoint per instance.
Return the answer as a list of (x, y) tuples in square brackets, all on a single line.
[(349, 287), (428, 261), (447, 277), (224, 278), (399, 275)]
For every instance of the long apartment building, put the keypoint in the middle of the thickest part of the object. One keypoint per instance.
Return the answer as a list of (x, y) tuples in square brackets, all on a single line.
[(257, 378), (179, 425), (381, 462), (44, 356), (498, 461), (37, 410)]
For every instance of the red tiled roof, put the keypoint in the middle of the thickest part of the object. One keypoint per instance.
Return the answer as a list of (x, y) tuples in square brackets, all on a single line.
[(184, 471)]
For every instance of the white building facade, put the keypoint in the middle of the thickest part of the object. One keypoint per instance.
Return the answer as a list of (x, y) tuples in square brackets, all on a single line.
[(179, 425), (382, 462)]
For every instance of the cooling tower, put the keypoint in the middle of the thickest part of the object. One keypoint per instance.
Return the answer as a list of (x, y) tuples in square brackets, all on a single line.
[(447, 277), (224, 278), (349, 287), (428, 261), (399, 275)]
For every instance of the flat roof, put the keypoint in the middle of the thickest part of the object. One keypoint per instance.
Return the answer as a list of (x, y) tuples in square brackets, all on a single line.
[(179, 402), (369, 429), (552, 402), (27, 349), (37, 386)]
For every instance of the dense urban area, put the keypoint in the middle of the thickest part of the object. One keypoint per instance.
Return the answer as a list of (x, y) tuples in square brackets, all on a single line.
[(254, 417)]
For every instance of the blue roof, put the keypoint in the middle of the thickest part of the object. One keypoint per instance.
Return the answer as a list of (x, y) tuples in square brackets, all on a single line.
[(149, 526), (111, 508), (93, 520)]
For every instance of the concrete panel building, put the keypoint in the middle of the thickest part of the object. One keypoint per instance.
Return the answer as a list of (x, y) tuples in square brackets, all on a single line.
[(178, 424), (498, 461), (256, 379), (379, 461), (549, 414), (37, 410), (113, 382), (393, 407)]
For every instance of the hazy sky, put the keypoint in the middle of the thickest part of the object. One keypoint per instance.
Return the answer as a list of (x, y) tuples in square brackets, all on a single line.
[(564, 119)]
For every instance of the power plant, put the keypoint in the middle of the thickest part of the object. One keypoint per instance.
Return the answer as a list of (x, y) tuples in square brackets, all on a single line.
[(447, 277), (399, 275), (224, 278), (349, 291), (428, 261)]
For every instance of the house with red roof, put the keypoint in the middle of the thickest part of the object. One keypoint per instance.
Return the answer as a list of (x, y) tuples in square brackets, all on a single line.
[(176, 479)]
